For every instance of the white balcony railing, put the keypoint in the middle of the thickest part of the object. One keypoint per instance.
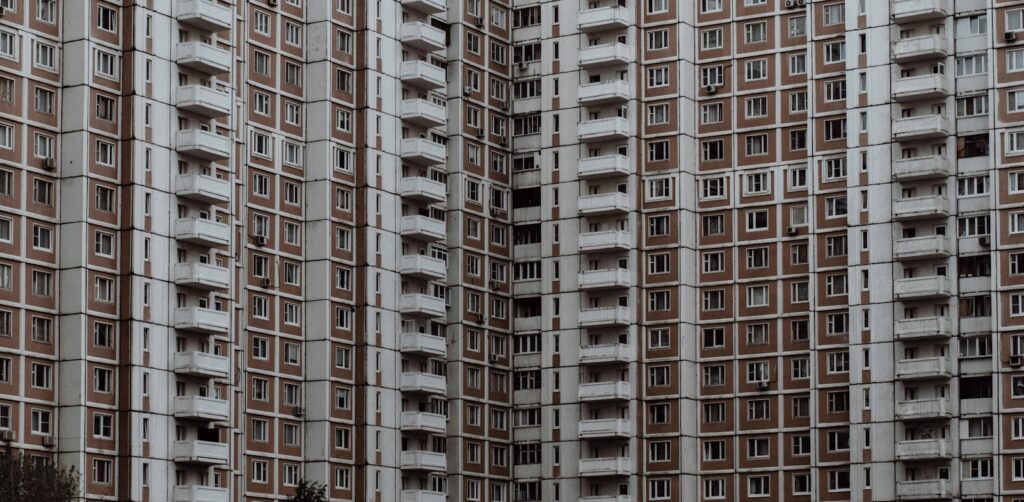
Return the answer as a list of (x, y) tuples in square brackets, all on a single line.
[(201, 408), (923, 409), (203, 100), (922, 368), (920, 48), (915, 248), (423, 113), (423, 151), (206, 276), (606, 278), (203, 364), (603, 166), (423, 189), (423, 227), (197, 493), (606, 427), (924, 489), (924, 167), (206, 145), (203, 57), (605, 391), (422, 74), (929, 86), (418, 381), (202, 188), (921, 127), (922, 287), (603, 203), (201, 320), (202, 231), (928, 206), (421, 36), (604, 316), (422, 304), (201, 452), (922, 328), (609, 466), (602, 18), (604, 129), (421, 460), (923, 449), (603, 92), (422, 496), (605, 353), (423, 343), (905, 11), (205, 15), (615, 53), (605, 240)]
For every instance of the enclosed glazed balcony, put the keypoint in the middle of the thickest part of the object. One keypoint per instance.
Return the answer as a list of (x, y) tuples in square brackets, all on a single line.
[(201, 364), (606, 240), (602, 18), (422, 74), (423, 189), (524, 324), (606, 353), (925, 368), (605, 279), (422, 496), (603, 203), (422, 266), (204, 276), (428, 383), (612, 54), (421, 36), (913, 208), (604, 428), (423, 113), (924, 489), (423, 151), (203, 57), (922, 328), (200, 452), (921, 168), (604, 316), (422, 343), (603, 92), (603, 166), (202, 188), (201, 320), (423, 227), (203, 100), (608, 466), (418, 421), (202, 232), (923, 449), (605, 129), (923, 409), (613, 390), (197, 493), (910, 11), (201, 408), (920, 288), (206, 15), (422, 305), (422, 460), (205, 145), (921, 127), (930, 86), (918, 248), (931, 46)]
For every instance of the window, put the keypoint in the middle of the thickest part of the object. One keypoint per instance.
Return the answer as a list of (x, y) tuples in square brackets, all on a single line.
[(754, 33), (756, 69), (835, 14), (835, 52), (711, 39), (758, 486), (797, 26), (106, 64)]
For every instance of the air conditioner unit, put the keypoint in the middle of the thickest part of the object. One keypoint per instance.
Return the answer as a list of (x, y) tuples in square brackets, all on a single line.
[(711, 89), (790, 4), (298, 411), (762, 385), (6, 435), (480, 133), (985, 241), (265, 282), (494, 212), (1010, 36), (51, 163), (49, 441), (494, 358), (495, 284), (260, 240), (504, 106), (791, 230), (522, 65), (272, 3), (467, 91), (479, 22)]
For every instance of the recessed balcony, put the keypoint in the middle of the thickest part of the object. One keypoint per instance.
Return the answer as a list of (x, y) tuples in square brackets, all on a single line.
[(921, 128), (924, 489), (606, 240), (193, 451), (423, 151), (923, 409), (197, 493), (201, 320), (914, 208), (204, 276), (524, 324), (613, 54), (429, 7), (597, 93), (613, 390), (421, 36), (417, 421), (605, 279), (202, 188), (923, 449), (205, 145), (604, 428), (422, 74), (203, 100), (606, 353), (421, 304), (422, 460), (909, 11), (922, 328), (427, 383), (422, 189), (922, 288), (922, 168), (205, 15), (603, 203), (608, 466), (422, 266), (201, 408), (423, 113), (605, 129), (602, 18), (603, 166), (920, 248), (423, 496), (423, 344), (925, 368), (930, 86), (423, 227), (201, 364), (604, 316), (203, 57), (202, 232), (932, 46)]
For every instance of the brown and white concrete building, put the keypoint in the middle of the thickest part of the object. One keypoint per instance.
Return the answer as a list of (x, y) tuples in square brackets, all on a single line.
[(506, 250)]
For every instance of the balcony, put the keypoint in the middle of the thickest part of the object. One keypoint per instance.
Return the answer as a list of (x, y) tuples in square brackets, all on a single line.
[(421, 36), (919, 248), (909, 11), (422, 460), (203, 100), (604, 428), (603, 166), (423, 267), (924, 489), (423, 113), (423, 496), (423, 343), (609, 466), (201, 320), (603, 203), (933, 46), (914, 208), (200, 452), (923, 409), (201, 276), (607, 240), (429, 7), (422, 74), (606, 353), (417, 421), (202, 232), (605, 129), (203, 57), (201, 364), (423, 228), (930, 86), (615, 53), (201, 408), (422, 304), (606, 498), (604, 316), (427, 383), (423, 151), (205, 145), (196, 493), (602, 18), (614, 390), (423, 189), (597, 93), (923, 449), (922, 328), (922, 168), (925, 368), (524, 324), (605, 279), (920, 288), (202, 188), (921, 128)]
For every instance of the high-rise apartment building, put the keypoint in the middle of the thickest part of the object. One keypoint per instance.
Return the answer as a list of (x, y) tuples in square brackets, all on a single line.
[(472, 250)]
